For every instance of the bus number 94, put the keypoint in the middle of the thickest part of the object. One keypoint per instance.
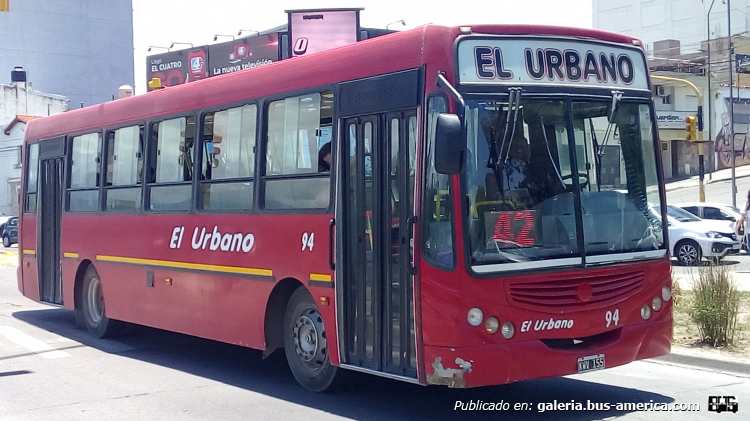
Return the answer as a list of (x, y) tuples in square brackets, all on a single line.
[(308, 241), (611, 317)]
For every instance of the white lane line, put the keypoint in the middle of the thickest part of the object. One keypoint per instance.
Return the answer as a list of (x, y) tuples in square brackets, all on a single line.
[(32, 344)]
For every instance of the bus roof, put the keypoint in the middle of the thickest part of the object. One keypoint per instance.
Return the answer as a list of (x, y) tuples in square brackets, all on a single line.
[(392, 52)]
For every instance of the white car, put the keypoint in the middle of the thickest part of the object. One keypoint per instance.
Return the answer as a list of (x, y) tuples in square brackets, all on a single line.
[(710, 210), (692, 238)]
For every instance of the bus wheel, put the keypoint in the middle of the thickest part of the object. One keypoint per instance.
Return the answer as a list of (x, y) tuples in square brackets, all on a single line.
[(91, 310), (305, 343)]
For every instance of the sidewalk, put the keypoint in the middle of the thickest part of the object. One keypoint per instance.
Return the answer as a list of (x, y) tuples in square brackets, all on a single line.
[(721, 175)]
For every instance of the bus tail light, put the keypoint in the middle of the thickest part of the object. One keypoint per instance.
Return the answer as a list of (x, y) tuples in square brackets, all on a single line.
[(645, 312), (491, 325), (666, 293), (508, 330), (475, 317)]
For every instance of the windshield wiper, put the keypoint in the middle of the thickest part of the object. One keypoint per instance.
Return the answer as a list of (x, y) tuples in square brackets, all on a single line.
[(514, 100), (616, 99)]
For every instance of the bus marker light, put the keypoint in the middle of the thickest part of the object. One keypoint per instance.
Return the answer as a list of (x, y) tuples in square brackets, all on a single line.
[(491, 325), (645, 312), (666, 293), (324, 301), (168, 281), (656, 303), (475, 317), (508, 330)]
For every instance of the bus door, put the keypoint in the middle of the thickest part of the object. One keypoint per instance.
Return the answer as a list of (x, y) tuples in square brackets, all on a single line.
[(51, 176), (379, 156)]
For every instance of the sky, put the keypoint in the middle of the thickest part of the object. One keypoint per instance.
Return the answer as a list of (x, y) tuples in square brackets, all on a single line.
[(162, 22)]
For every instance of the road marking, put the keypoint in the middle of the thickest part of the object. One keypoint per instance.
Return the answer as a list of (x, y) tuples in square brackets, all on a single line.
[(32, 344)]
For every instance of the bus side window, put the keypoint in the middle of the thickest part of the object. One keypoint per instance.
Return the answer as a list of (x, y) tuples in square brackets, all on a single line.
[(85, 172), (171, 164), (228, 159), (298, 128), (124, 168), (32, 158)]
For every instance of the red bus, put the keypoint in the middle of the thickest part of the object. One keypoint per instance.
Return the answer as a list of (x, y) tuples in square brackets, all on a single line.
[(493, 210)]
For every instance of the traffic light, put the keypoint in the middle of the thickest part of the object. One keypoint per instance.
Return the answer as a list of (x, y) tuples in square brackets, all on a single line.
[(4, 5), (691, 130)]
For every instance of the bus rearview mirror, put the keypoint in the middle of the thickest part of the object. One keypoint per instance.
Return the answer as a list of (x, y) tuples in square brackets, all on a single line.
[(449, 145)]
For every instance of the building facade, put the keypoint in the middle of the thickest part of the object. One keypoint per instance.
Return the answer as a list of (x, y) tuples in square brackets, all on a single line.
[(18, 105), (81, 49)]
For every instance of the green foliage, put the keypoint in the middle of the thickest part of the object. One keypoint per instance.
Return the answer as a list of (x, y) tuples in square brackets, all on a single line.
[(715, 305)]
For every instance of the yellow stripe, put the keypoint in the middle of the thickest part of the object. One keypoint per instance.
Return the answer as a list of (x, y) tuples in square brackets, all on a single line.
[(73, 255), (185, 265), (320, 277), (29, 252)]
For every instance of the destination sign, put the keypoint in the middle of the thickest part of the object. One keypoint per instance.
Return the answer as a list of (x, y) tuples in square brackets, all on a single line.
[(566, 62)]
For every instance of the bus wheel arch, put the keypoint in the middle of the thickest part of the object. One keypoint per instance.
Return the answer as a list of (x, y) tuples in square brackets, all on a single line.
[(273, 324)]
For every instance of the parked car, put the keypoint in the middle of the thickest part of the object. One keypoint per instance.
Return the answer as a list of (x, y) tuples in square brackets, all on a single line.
[(9, 232), (708, 210), (692, 238)]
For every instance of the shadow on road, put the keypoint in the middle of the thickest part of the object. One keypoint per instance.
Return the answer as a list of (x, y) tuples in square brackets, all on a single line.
[(364, 397)]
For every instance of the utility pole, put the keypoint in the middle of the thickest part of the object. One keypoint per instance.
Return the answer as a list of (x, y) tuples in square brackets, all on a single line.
[(731, 101)]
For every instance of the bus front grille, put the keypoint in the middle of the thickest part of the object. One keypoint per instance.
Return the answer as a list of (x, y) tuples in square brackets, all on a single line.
[(575, 294)]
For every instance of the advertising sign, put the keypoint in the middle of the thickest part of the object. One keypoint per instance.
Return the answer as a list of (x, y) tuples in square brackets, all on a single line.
[(743, 63), (549, 61), (178, 67), (311, 31), (243, 53)]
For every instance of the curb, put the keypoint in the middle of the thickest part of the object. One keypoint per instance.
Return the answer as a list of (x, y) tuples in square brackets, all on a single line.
[(722, 365)]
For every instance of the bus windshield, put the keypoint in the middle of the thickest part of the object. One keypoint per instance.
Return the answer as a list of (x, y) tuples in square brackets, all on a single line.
[(553, 182)]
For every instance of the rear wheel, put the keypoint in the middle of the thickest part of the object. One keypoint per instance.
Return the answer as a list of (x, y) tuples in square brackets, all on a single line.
[(688, 253), (6, 241), (306, 344), (92, 312)]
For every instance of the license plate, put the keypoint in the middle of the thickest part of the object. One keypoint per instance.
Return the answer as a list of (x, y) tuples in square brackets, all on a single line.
[(591, 363)]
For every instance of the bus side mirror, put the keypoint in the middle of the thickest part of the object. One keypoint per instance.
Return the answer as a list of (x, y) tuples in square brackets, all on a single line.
[(449, 145)]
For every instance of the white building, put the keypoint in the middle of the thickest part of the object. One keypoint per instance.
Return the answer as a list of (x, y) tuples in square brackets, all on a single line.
[(19, 104)]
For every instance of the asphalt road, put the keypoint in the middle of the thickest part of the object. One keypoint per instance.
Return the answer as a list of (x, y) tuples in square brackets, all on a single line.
[(51, 371)]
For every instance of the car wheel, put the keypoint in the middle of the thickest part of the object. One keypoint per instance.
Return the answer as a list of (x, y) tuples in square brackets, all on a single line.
[(688, 253), (305, 343), (92, 311), (6, 241)]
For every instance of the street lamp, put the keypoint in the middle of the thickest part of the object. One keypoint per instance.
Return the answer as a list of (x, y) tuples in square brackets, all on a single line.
[(181, 43), (393, 23), (219, 35), (247, 30), (156, 46)]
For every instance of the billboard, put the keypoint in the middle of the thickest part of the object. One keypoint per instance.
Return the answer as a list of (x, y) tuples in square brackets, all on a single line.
[(311, 31), (178, 67), (243, 53)]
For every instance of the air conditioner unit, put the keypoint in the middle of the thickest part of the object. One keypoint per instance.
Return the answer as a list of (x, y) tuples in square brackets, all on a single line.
[(660, 91)]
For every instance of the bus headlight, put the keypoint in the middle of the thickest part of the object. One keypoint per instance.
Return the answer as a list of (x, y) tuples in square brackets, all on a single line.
[(508, 330), (666, 293), (656, 303), (645, 312), (491, 325), (475, 317)]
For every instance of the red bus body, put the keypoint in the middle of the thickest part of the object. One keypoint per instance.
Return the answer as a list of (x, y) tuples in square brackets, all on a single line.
[(240, 297)]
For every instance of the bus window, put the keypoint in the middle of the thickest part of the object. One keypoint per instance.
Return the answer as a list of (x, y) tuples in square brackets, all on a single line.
[(171, 164), (124, 168), (297, 128), (85, 167), (31, 178), (228, 159)]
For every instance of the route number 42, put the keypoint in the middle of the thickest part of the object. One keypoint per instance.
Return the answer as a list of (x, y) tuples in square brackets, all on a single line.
[(308, 241), (611, 317)]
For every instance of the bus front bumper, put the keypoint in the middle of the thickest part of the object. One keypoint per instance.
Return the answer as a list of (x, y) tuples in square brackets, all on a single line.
[(533, 359)]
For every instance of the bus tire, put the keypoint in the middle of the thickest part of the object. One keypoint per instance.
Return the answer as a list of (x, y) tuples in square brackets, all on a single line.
[(305, 343), (92, 311)]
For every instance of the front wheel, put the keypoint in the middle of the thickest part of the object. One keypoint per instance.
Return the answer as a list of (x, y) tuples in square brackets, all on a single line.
[(91, 311), (306, 344), (688, 253), (6, 241)]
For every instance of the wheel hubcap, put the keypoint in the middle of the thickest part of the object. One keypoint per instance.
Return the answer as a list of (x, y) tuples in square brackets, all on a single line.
[(95, 301), (310, 339), (688, 254)]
